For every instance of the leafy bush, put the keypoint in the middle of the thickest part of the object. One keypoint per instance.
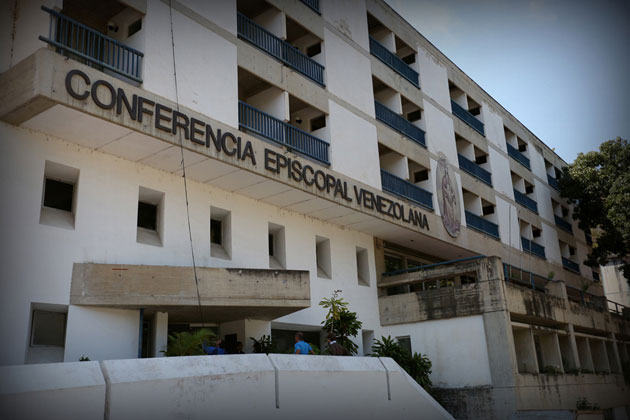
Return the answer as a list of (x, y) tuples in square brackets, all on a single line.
[(584, 404), (188, 344), (418, 366), (341, 322), (263, 344)]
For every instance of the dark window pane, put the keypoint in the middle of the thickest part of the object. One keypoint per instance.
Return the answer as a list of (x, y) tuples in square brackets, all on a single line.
[(49, 328), (147, 215), (414, 115), (314, 49), (393, 263), (271, 245), (410, 59), (479, 160), (134, 27), (216, 232), (317, 123), (420, 176), (58, 195)]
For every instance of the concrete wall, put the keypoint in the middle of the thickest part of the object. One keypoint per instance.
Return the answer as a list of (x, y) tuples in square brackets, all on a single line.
[(234, 386)]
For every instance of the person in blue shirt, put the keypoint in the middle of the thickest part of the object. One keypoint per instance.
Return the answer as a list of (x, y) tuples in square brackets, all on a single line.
[(301, 346), (216, 349)]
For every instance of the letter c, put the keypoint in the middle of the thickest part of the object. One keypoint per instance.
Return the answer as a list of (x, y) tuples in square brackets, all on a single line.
[(71, 91)]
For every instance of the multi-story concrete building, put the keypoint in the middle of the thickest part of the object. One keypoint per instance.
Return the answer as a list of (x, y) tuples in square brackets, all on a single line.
[(172, 164)]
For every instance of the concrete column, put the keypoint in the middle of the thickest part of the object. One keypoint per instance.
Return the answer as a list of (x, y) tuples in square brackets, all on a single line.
[(573, 345), (584, 352), (159, 334), (598, 353), (525, 350), (615, 351), (551, 350)]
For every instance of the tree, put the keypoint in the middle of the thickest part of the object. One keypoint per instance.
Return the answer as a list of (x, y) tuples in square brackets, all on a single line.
[(340, 321), (598, 185)]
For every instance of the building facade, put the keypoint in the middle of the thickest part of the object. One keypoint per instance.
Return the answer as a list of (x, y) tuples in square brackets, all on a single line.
[(168, 165)]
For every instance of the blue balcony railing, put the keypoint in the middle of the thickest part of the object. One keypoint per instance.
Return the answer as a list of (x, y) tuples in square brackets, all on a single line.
[(525, 278), (482, 225), (570, 265), (526, 201), (553, 182), (313, 4), (475, 170), (596, 276), (589, 300), (393, 61), (399, 124), (468, 118), (274, 129), (589, 238), (563, 224), (518, 156), (92, 47), (260, 37), (395, 185), (533, 248)]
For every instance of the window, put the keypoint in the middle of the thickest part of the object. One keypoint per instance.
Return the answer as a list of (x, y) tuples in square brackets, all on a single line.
[(317, 123), (529, 188), (414, 115), (481, 159), (393, 263), (314, 49), (409, 59), (48, 328), (404, 342), (277, 246), (420, 176), (363, 267), (134, 27), (323, 257), (486, 210), (150, 218), (536, 232), (59, 195), (220, 233)]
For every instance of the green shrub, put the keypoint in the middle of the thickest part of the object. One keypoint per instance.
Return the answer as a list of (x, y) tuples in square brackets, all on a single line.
[(188, 343), (418, 366)]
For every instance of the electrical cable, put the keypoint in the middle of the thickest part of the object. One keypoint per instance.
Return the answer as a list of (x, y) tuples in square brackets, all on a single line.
[(181, 147)]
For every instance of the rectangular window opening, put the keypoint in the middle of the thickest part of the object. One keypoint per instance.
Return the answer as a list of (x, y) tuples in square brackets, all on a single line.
[(317, 123), (414, 116), (363, 267), (220, 233), (59, 195), (150, 217), (314, 49), (277, 246), (323, 257), (420, 176)]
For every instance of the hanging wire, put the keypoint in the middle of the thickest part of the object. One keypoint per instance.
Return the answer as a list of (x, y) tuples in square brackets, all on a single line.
[(181, 147)]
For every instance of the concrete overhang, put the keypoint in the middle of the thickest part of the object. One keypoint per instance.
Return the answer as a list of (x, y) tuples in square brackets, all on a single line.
[(33, 94), (225, 294)]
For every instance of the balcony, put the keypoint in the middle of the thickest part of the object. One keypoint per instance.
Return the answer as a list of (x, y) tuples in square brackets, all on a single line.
[(468, 118), (518, 156), (260, 37), (313, 4), (475, 170), (482, 225), (78, 41), (526, 201), (553, 182), (398, 123), (393, 61), (589, 239), (586, 299), (261, 123), (570, 265), (563, 224), (533, 248), (393, 184)]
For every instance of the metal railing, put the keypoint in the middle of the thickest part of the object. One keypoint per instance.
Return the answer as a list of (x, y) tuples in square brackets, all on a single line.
[(553, 182), (475, 170), (518, 156), (406, 189), (398, 123), (563, 224), (313, 4), (525, 278), (482, 225), (92, 47), (277, 130), (570, 265), (393, 61), (589, 238), (586, 299), (533, 248), (596, 276), (252, 32), (618, 309), (526, 201), (468, 118), (428, 266)]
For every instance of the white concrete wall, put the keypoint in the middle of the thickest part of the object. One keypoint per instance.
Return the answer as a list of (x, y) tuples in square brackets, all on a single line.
[(101, 333), (105, 232), (349, 17), (509, 229), (440, 136), (433, 78), (456, 347)]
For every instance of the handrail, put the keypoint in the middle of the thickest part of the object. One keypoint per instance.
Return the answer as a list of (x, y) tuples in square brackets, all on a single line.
[(255, 34), (553, 182), (531, 280), (479, 223), (425, 267), (518, 156), (406, 189), (398, 123), (475, 170), (586, 299), (81, 41), (563, 224), (525, 200), (277, 130), (570, 265), (379, 51), (468, 118), (532, 247), (313, 4)]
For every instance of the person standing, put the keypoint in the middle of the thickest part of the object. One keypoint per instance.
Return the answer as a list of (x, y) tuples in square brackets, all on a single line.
[(301, 346), (216, 349), (334, 348)]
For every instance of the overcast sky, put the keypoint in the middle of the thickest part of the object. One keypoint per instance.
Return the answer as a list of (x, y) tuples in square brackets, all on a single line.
[(562, 67)]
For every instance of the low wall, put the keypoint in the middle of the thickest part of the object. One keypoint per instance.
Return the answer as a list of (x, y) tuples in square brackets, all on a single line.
[(232, 386)]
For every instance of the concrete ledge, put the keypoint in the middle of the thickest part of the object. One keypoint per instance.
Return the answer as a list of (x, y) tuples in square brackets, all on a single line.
[(52, 391)]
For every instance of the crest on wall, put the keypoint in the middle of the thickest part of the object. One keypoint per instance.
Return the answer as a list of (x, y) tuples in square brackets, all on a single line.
[(448, 197)]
